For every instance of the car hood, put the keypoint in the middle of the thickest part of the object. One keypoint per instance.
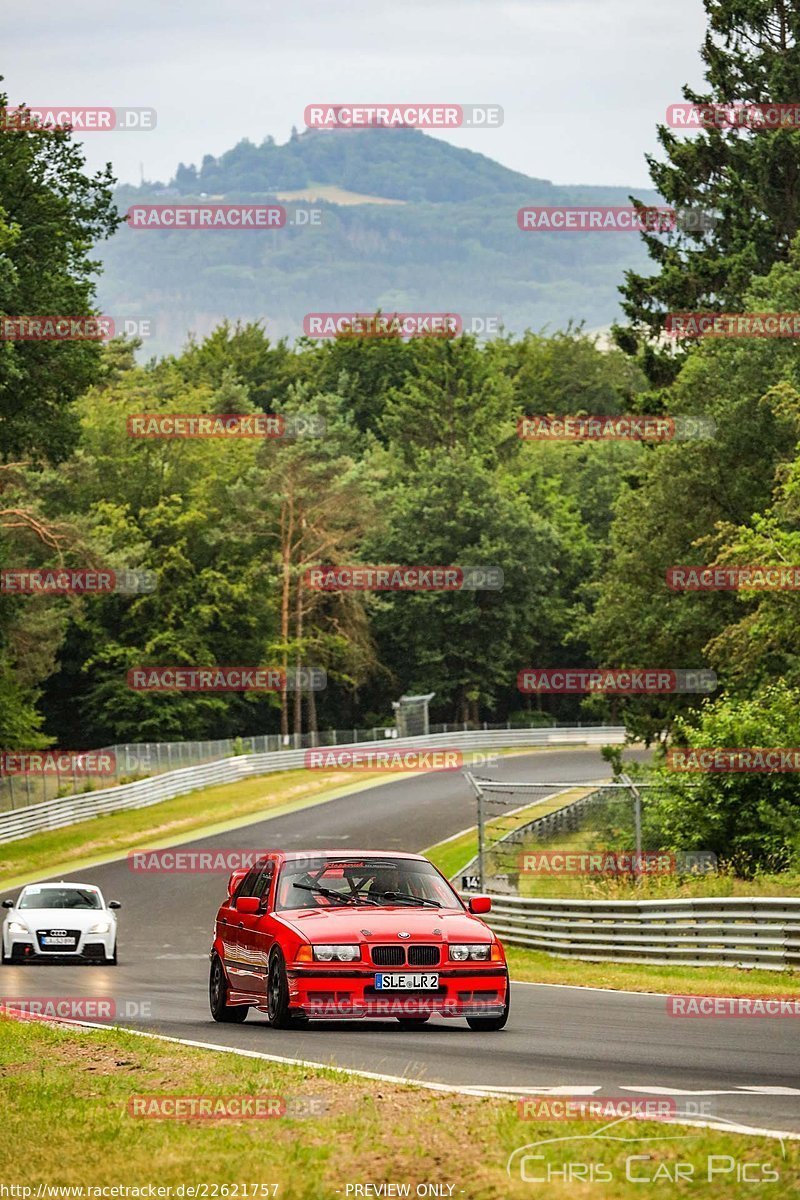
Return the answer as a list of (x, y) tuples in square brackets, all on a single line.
[(59, 918), (368, 924)]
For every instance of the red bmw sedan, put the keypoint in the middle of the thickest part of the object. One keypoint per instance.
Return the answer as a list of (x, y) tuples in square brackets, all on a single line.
[(322, 934)]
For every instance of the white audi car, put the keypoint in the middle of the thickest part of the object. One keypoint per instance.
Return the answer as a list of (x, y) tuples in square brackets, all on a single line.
[(60, 921)]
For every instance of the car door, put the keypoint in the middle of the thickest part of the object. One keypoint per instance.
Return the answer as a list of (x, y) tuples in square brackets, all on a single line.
[(255, 933), (230, 927)]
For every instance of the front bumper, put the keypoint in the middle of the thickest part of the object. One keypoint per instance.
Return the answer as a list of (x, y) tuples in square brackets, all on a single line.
[(89, 947), (343, 992)]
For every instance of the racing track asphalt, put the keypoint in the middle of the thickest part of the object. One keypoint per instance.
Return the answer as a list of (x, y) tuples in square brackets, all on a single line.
[(743, 1070)]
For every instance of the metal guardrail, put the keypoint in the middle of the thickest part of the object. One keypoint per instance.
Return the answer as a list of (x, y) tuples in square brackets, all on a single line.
[(130, 762), (724, 931), (55, 814)]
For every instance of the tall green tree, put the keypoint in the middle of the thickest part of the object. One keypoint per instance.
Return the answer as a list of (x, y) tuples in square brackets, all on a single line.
[(702, 501), (746, 178), (51, 216)]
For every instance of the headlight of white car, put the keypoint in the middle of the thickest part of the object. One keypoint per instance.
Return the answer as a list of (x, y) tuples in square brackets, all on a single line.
[(478, 952), (100, 927), (337, 953), (16, 927)]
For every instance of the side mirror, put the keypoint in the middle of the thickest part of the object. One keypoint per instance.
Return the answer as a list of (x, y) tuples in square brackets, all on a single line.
[(235, 879), (248, 904), (114, 904), (8, 904), (480, 904)]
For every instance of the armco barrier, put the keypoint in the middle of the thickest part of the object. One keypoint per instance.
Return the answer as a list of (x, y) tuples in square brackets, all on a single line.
[(54, 814), (726, 931)]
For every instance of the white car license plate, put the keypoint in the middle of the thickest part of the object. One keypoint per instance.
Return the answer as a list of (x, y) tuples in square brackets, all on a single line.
[(416, 982), (49, 940)]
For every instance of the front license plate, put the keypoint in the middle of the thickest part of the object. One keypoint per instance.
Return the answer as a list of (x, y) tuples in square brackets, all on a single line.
[(58, 941), (406, 983)]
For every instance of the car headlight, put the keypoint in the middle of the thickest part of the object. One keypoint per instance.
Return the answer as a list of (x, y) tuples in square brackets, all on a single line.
[(100, 927), (16, 927), (478, 952), (336, 953)]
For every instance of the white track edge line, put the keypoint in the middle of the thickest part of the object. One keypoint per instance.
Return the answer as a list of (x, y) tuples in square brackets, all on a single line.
[(484, 1093)]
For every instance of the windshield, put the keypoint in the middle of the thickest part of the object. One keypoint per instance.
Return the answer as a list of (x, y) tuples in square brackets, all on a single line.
[(59, 898), (365, 881)]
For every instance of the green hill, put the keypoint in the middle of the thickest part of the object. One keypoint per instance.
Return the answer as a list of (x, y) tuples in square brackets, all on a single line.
[(448, 242)]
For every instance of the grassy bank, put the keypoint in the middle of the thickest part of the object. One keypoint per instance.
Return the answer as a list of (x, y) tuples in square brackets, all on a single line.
[(67, 1099), (210, 810), (535, 966), (204, 811)]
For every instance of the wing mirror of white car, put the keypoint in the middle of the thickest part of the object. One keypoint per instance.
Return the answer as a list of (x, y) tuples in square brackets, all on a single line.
[(8, 904), (114, 904)]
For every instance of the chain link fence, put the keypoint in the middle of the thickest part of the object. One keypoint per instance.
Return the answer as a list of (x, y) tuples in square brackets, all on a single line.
[(570, 839)]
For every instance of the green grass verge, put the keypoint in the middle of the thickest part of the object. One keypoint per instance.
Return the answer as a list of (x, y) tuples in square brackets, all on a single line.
[(536, 966), (66, 1121), (207, 810)]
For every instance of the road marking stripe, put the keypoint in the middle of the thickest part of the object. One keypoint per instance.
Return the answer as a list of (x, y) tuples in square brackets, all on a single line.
[(739, 1089)]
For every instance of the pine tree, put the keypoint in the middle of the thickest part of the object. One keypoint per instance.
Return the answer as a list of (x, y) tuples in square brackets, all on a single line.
[(747, 179)]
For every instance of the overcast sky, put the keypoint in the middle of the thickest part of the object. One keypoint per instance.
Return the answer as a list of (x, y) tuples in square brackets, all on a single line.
[(582, 82)]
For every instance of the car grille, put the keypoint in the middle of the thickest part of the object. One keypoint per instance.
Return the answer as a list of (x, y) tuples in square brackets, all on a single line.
[(388, 956), (395, 956), (72, 934), (423, 956)]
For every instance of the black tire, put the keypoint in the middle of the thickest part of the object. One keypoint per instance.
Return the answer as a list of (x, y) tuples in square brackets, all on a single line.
[(233, 1014), (4, 958), (112, 962), (412, 1022), (492, 1024), (278, 1013)]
